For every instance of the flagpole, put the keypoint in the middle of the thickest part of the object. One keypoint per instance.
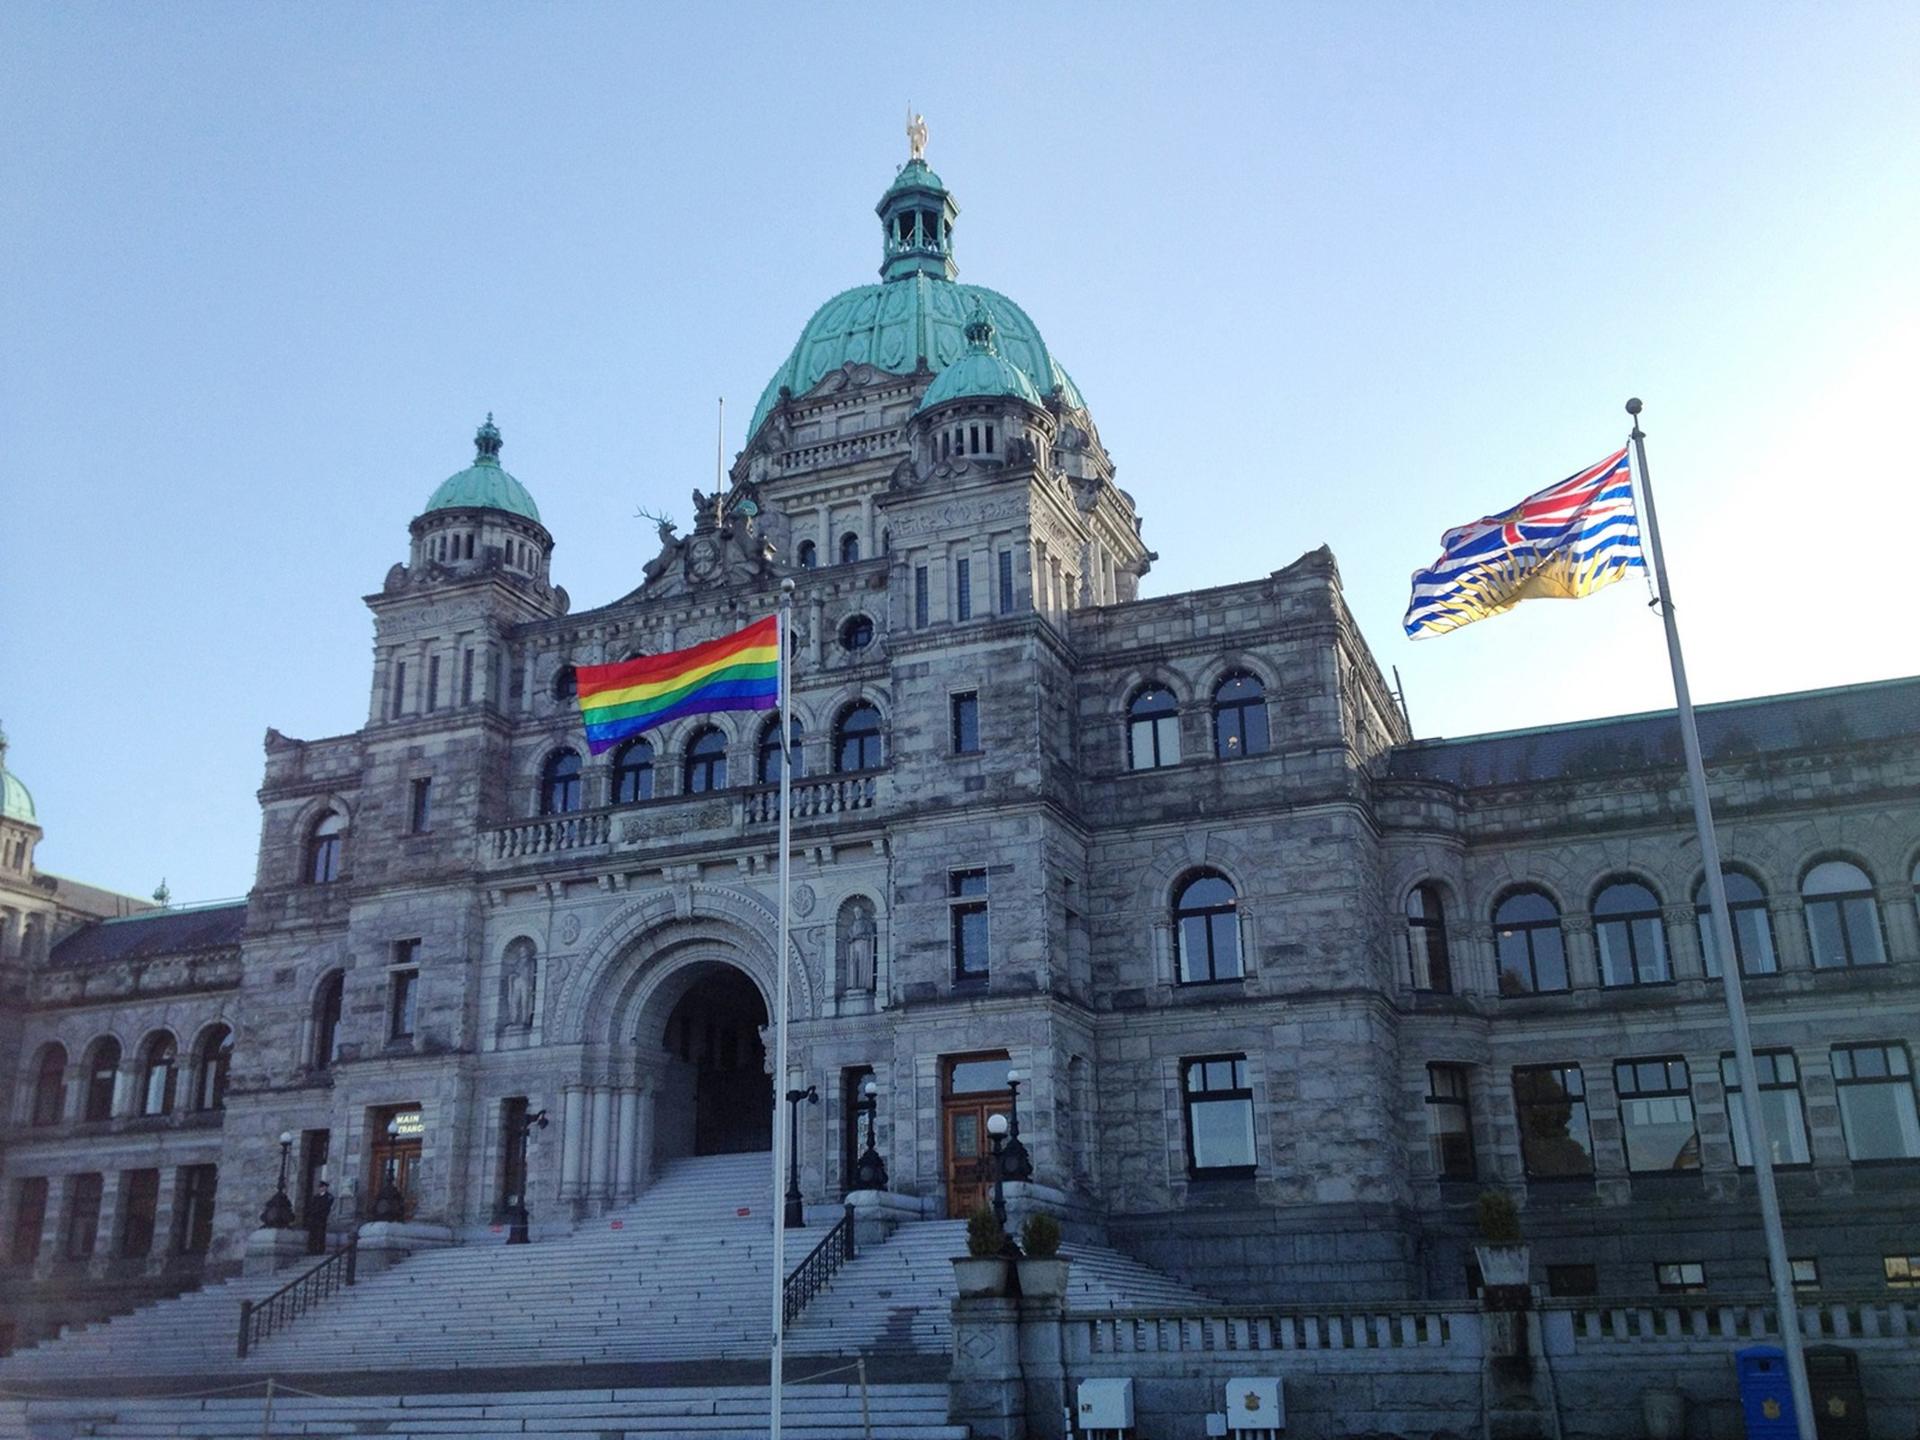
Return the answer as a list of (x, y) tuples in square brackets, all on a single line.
[(1757, 1144), (782, 630)]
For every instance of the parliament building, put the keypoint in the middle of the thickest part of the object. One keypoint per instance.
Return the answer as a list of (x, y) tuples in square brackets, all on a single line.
[(1286, 987)]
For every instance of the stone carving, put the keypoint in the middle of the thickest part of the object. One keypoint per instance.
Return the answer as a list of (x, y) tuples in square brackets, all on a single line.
[(569, 929), (803, 899), (519, 984), (916, 136), (857, 940)]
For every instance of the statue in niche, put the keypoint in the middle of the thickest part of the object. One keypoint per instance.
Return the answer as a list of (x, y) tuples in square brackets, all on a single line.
[(522, 974), (858, 938)]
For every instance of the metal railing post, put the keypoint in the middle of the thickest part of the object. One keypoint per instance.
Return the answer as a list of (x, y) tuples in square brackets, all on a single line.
[(353, 1254), (246, 1323)]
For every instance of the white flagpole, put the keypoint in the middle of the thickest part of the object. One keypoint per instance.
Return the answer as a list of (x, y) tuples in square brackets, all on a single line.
[(1757, 1144), (782, 629)]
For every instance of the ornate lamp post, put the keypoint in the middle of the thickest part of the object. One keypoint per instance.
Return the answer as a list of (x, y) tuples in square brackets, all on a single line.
[(278, 1214), (997, 1135), (517, 1218), (796, 1218), (1015, 1163), (390, 1204), (870, 1171)]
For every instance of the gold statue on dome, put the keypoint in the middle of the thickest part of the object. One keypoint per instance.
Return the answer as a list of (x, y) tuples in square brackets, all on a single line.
[(916, 135)]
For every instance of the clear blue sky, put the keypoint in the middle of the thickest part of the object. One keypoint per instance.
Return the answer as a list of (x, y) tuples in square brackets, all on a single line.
[(1326, 273)]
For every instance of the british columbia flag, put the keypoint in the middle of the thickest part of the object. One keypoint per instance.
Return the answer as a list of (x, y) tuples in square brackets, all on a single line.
[(1567, 541)]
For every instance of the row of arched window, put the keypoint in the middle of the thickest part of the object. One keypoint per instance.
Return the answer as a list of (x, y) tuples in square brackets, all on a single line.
[(807, 556), (1239, 722), (1630, 936), (858, 744), (157, 1077)]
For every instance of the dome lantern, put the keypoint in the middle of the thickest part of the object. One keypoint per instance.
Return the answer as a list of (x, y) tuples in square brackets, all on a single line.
[(916, 218)]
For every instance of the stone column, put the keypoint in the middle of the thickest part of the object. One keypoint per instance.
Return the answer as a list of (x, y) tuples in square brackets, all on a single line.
[(113, 1186), (572, 1141), (600, 1167), (624, 1128), (869, 537), (53, 1224), (643, 1139)]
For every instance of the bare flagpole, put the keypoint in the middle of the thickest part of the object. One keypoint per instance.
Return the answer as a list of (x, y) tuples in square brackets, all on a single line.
[(1757, 1143), (783, 630)]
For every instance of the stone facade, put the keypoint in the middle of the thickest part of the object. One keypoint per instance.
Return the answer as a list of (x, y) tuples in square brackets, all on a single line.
[(461, 919)]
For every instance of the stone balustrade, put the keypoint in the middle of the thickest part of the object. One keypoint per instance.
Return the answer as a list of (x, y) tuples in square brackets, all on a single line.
[(549, 835), (1227, 1330), (1571, 1326), (813, 799)]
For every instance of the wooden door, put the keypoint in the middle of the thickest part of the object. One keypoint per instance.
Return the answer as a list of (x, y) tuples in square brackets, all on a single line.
[(404, 1152), (969, 1158)]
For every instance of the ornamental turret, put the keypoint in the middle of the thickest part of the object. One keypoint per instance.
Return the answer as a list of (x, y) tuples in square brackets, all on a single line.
[(481, 518)]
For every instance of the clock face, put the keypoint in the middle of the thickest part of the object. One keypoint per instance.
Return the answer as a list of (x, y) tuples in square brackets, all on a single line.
[(703, 559)]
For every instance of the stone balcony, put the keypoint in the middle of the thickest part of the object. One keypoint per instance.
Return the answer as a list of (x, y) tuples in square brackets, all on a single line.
[(709, 818)]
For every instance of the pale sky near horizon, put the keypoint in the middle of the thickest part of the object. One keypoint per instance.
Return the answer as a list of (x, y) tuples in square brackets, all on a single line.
[(1326, 273)]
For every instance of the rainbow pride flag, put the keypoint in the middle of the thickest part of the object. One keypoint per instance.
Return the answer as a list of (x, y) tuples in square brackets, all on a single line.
[(740, 671)]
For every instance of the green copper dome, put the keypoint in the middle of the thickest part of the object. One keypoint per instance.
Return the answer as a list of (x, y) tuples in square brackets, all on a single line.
[(483, 485), (16, 801), (919, 312), (983, 372)]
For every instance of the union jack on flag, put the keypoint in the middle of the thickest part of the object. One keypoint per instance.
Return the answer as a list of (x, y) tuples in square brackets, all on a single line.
[(1565, 542)]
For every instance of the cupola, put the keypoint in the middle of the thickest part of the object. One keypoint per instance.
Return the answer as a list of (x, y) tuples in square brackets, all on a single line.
[(481, 518), (916, 219)]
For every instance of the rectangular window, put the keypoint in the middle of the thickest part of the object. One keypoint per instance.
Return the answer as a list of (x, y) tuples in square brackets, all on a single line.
[(963, 589), (1780, 1109), (1550, 1102), (966, 723), (920, 597), (1569, 1282), (1805, 1271), (1219, 1104), (433, 684), (419, 808), (1902, 1271), (399, 688), (1449, 1122), (403, 990), (967, 905), (1656, 1116), (83, 1215), (513, 1125), (193, 1209), (29, 1219), (1874, 1084), (1006, 582), (466, 677), (1680, 1277), (139, 1208)]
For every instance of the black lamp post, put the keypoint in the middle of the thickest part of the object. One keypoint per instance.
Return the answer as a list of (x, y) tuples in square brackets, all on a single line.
[(390, 1204), (870, 1171), (997, 1135), (1015, 1163), (517, 1218), (796, 1218), (278, 1214)]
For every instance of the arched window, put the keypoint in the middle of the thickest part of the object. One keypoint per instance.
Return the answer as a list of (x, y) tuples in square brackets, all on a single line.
[(1427, 940), (1153, 729), (1206, 929), (1843, 923), (566, 685), (856, 633), (849, 548), (857, 744), (210, 1069), (1752, 926), (767, 754), (326, 1019), (159, 1059), (1239, 717), (1629, 935), (50, 1086), (707, 762), (324, 841), (808, 556), (1526, 932), (103, 1074), (633, 772), (560, 783)]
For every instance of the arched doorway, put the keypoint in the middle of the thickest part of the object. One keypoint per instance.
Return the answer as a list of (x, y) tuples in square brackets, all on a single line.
[(717, 1096)]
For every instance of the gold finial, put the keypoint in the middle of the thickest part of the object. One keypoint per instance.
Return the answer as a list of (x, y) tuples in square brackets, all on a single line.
[(916, 135)]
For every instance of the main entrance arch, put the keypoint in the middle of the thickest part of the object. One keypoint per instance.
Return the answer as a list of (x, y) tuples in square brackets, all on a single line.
[(716, 1095)]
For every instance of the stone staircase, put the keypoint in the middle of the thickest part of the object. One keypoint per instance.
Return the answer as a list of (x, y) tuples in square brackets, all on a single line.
[(808, 1412)]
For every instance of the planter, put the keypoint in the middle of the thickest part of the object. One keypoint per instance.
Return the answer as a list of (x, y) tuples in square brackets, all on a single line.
[(1503, 1265), (1042, 1279), (1665, 1414), (977, 1277)]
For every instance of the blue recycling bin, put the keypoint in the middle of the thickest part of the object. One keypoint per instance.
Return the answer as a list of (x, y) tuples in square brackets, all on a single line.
[(1766, 1395)]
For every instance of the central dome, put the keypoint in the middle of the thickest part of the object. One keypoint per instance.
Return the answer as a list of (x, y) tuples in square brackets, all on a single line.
[(917, 314)]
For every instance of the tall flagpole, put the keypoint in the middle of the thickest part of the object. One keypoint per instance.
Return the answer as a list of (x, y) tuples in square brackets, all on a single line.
[(1757, 1143), (783, 630)]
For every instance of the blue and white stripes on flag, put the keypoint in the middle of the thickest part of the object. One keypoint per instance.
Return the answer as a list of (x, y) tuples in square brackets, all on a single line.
[(1565, 542)]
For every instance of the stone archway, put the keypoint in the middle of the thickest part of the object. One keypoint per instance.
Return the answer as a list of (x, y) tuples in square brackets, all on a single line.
[(714, 1092)]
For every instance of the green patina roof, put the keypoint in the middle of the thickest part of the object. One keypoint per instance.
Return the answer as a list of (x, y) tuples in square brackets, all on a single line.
[(484, 485), (16, 801), (983, 372), (916, 313)]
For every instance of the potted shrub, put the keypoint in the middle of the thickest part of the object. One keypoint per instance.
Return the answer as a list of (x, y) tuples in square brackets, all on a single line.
[(1043, 1274), (1502, 1251), (984, 1268)]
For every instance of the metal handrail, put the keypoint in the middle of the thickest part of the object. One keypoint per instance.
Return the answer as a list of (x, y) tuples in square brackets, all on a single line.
[(816, 1272), (260, 1318)]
